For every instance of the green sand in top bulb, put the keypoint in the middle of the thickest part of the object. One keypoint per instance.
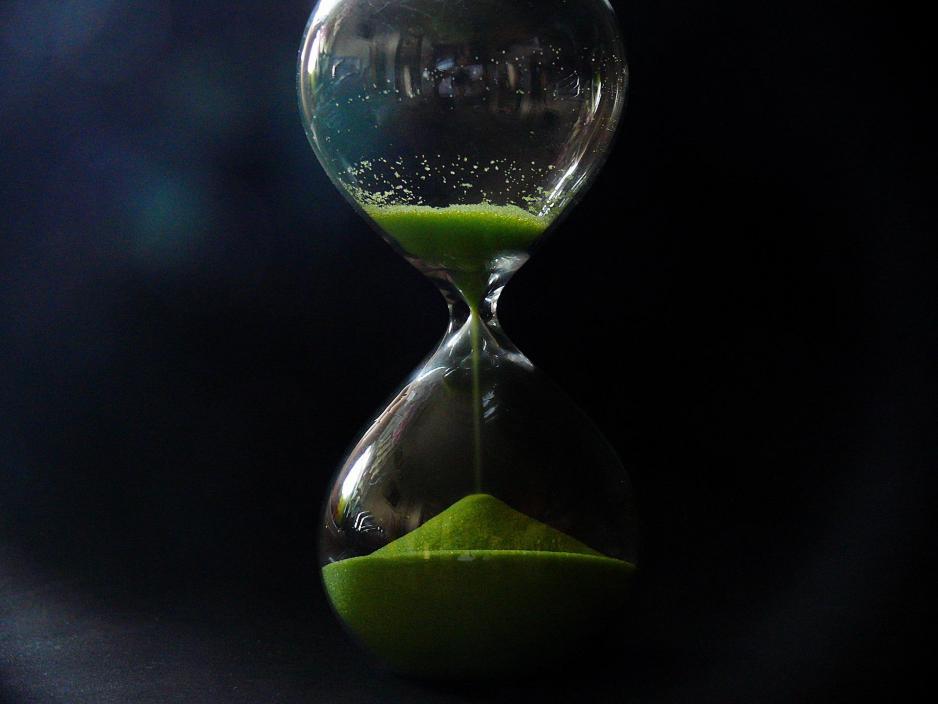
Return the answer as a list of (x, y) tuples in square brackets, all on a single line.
[(463, 238), (478, 590)]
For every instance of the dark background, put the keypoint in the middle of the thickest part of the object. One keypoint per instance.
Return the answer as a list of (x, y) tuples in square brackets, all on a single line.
[(194, 325)]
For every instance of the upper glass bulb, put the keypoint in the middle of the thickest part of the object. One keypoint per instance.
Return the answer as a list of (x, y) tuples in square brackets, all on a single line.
[(435, 117)]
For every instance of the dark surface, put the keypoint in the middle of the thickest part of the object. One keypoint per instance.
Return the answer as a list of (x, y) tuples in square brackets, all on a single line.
[(193, 326)]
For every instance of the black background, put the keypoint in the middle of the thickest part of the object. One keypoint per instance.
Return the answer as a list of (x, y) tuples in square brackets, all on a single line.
[(194, 325)]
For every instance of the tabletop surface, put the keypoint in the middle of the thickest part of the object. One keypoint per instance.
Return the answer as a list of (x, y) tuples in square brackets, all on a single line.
[(75, 640), (62, 642)]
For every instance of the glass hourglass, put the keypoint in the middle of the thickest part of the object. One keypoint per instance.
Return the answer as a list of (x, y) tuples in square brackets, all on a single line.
[(481, 525)]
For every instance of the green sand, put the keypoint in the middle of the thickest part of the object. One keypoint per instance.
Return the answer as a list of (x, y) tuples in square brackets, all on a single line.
[(460, 237), (478, 590), (482, 522)]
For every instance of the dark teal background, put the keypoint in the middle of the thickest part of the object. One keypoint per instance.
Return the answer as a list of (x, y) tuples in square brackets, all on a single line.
[(194, 325)]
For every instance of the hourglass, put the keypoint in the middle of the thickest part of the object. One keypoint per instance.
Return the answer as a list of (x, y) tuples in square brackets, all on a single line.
[(482, 524)]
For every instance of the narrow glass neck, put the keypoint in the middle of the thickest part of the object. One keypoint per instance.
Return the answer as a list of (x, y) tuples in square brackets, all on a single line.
[(475, 293), (462, 309), (474, 337)]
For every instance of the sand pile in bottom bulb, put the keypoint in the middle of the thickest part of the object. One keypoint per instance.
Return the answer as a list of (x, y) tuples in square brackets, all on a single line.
[(478, 590)]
